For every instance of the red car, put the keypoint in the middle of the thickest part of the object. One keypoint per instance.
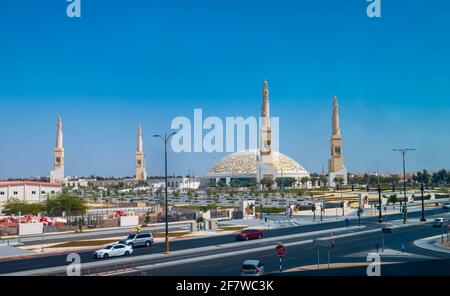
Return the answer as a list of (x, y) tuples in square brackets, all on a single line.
[(249, 234)]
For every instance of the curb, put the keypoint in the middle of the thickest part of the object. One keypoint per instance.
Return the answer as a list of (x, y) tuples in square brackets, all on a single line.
[(429, 243)]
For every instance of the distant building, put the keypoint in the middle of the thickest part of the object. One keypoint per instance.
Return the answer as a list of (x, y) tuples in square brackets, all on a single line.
[(79, 183), (27, 191), (177, 183)]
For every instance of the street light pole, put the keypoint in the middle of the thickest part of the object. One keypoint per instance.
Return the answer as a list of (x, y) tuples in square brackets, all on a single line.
[(423, 204), (323, 194), (380, 218), (165, 139), (403, 152)]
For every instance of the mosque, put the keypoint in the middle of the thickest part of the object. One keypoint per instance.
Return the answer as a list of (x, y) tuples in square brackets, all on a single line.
[(258, 163), (247, 165)]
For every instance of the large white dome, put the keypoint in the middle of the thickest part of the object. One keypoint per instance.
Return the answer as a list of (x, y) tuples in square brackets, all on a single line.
[(243, 164)]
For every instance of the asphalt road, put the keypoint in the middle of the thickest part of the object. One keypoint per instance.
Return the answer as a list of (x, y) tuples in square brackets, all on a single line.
[(351, 249), (229, 265)]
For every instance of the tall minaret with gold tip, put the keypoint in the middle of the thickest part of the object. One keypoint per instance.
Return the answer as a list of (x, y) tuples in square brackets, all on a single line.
[(57, 174), (265, 157), (336, 166), (141, 173), (265, 147)]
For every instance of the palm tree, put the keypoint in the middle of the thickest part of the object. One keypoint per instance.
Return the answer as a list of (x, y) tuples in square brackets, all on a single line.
[(323, 180), (314, 180), (304, 181), (339, 180)]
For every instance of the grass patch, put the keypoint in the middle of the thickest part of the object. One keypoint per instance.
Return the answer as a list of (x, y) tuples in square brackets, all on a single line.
[(93, 243), (171, 234), (231, 228)]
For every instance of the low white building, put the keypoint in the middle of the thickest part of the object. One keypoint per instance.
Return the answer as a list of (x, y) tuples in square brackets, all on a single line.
[(27, 191), (177, 183)]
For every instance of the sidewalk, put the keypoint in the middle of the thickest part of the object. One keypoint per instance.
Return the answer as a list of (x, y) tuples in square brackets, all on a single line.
[(432, 244)]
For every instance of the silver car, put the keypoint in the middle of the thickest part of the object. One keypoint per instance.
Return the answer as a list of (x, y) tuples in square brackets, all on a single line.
[(252, 268), (138, 239)]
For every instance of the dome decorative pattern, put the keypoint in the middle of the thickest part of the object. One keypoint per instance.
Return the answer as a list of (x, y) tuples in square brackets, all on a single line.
[(244, 163)]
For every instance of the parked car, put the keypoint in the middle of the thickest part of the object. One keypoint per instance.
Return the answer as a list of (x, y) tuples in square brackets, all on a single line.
[(249, 234), (252, 268), (387, 228), (440, 222), (113, 251), (138, 239)]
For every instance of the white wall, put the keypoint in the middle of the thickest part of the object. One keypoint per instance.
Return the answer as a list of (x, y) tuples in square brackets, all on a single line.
[(129, 221), (30, 228)]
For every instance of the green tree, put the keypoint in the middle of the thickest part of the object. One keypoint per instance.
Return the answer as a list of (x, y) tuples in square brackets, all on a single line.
[(147, 218), (339, 180), (267, 182), (314, 178), (15, 206), (323, 180), (304, 181), (64, 202), (393, 199)]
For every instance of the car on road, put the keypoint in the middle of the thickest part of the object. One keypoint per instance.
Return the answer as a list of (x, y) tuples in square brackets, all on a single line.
[(252, 268), (113, 250), (138, 239), (387, 227), (249, 234), (440, 222)]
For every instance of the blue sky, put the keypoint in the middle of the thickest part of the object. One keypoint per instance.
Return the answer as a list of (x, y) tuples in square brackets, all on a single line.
[(125, 62)]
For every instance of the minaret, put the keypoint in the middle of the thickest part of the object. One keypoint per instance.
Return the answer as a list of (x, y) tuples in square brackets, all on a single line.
[(265, 145), (264, 160), (57, 174), (141, 174), (336, 165)]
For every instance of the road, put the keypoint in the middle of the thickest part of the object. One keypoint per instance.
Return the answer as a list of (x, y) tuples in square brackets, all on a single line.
[(350, 249), (302, 254)]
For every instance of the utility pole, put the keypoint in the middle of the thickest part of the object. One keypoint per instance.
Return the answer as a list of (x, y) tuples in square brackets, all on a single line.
[(422, 219), (380, 217), (323, 194), (403, 151), (165, 139)]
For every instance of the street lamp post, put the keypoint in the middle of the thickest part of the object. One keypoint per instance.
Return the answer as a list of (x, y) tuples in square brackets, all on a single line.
[(165, 139), (403, 152), (260, 187), (380, 218), (423, 204)]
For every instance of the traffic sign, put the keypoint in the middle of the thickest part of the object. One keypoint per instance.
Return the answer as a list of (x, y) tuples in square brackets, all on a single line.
[(280, 250)]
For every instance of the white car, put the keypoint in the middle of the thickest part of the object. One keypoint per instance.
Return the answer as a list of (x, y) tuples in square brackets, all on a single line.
[(113, 251), (440, 222), (252, 268)]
